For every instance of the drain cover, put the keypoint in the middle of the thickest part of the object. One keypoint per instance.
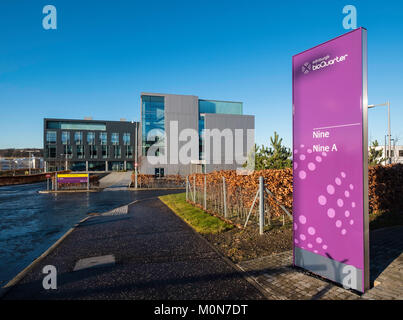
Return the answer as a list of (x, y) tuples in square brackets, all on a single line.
[(93, 262)]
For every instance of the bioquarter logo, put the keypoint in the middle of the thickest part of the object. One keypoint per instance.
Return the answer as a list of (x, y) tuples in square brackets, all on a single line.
[(322, 63), (306, 67)]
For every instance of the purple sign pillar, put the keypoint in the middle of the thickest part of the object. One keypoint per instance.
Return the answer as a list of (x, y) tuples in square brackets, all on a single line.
[(330, 160)]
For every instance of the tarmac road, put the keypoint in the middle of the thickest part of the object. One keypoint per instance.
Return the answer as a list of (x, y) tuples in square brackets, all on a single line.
[(31, 222), (158, 256)]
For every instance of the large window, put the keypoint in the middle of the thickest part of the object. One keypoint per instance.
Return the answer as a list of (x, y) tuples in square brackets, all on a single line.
[(78, 138), (103, 138), (91, 138), (104, 151), (67, 151), (153, 122), (65, 125), (50, 151), (117, 152), (50, 137), (65, 137), (201, 138), (222, 107), (129, 152), (80, 152), (159, 172), (115, 138), (126, 139), (93, 151)]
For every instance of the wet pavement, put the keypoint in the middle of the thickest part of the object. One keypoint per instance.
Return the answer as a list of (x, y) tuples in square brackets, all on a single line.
[(157, 256), (31, 222)]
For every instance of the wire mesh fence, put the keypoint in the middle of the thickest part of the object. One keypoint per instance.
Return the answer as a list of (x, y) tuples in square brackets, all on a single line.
[(241, 206)]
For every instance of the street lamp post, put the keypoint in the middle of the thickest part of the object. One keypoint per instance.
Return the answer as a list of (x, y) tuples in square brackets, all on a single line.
[(29, 161), (135, 157), (386, 104)]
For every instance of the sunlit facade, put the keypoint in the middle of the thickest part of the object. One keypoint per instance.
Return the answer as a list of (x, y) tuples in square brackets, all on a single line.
[(89, 145), (158, 111)]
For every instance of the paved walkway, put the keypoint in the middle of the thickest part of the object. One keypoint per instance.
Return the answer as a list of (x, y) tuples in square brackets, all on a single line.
[(281, 281), (116, 180), (157, 256)]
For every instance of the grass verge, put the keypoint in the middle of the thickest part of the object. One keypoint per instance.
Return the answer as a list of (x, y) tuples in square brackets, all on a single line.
[(199, 220)]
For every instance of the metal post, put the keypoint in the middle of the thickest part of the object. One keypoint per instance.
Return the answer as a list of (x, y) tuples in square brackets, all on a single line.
[(56, 181), (187, 188), (47, 187), (261, 205), (88, 181), (194, 188), (29, 161), (390, 145), (135, 157), (205, 192), (224, 196)]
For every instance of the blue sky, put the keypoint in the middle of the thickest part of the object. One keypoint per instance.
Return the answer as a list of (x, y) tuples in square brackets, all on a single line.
[(104, 53)]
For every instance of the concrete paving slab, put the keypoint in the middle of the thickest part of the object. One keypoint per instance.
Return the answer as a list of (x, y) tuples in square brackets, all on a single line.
[(94, 262)]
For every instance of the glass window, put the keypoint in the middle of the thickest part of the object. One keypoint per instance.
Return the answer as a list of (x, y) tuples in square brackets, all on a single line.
[(129, 152), (103, 138), (400, 153), (115, 138), (90, 138), (50, 136), (80, 152), (201, 138), (50, 151), (67, 150), (64, 125), (126, 139), (117, 152), (65, 137), (104, 151), (159, 172), (222, 107), (78, 138), (153, 122), (93, 151)]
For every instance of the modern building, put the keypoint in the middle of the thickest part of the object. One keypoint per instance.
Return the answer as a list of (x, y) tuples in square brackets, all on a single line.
[(169, 120), (89, 145), (172, 138)]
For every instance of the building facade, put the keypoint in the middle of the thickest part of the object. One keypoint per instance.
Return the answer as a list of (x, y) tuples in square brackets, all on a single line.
[(89, 145), (396, 154), (168, 121)]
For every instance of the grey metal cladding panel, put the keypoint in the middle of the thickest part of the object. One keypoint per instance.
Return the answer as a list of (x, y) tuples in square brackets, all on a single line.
[(184, 110), (181, 104), (230, 121)]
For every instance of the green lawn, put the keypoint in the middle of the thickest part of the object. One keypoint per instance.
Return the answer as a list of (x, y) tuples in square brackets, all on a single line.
[(198, 219)]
